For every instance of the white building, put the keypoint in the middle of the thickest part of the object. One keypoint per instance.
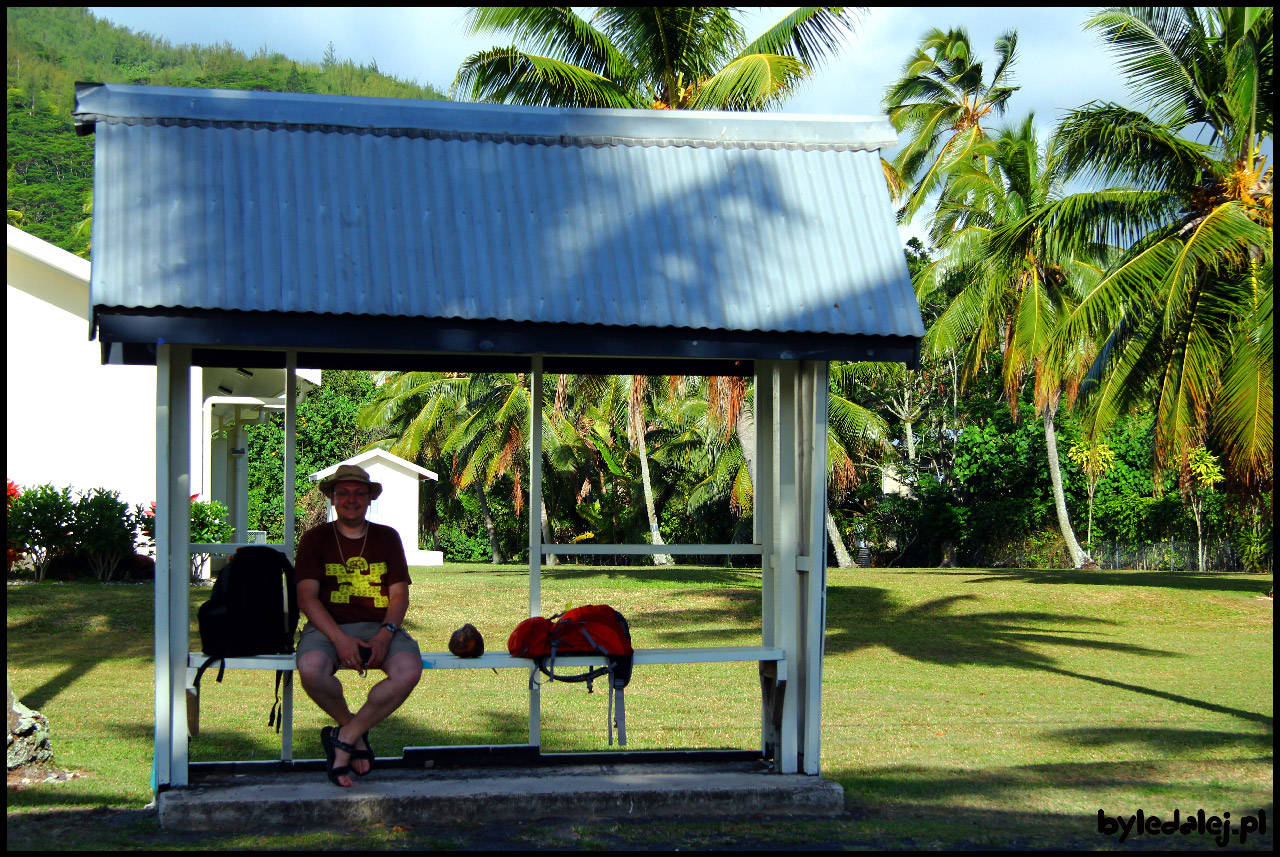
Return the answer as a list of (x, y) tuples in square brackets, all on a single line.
[(69, 419), (72, 421)]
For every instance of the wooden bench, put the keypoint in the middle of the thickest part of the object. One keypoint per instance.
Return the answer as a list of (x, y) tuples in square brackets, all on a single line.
[(772, 661)]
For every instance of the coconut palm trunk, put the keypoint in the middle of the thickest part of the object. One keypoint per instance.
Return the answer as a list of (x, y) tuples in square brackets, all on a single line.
[(548, 559), (495, 549), (1078, 556), (843, 558), (635, 416)]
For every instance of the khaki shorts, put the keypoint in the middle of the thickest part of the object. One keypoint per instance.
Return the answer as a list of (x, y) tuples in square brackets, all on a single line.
[(312, 640)]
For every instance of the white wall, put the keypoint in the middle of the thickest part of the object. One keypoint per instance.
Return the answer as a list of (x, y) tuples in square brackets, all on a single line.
[(70, 420)]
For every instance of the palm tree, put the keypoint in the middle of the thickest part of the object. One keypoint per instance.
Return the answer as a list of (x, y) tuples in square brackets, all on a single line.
[(638, 387), (1012, 296), (727, 425), (942, 104), (476, 425), (593, 407), (1186, 312), (422, 409), (667, 57)]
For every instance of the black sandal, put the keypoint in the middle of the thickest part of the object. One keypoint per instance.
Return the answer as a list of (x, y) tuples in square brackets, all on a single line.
[(366, 753), (331, 742)]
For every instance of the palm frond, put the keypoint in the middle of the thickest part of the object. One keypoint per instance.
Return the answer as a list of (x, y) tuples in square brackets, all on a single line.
[(750, 82), (511, 76), (1109, 145), (1243, 412), (554, 31), (810, 34), (1156, 49)]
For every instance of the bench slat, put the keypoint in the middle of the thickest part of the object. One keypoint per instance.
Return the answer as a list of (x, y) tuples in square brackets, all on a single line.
[(502, 660)]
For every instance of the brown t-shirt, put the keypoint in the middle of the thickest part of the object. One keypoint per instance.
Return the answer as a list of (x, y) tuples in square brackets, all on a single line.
[(353, 582)]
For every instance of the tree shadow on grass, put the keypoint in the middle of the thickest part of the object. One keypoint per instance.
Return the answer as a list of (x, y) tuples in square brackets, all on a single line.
[(67, 637), (1205, 582), (1164, 740), (932, 632)]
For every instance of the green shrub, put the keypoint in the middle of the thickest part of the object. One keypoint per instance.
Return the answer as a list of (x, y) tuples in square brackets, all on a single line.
[(104, 530), (39, 522)]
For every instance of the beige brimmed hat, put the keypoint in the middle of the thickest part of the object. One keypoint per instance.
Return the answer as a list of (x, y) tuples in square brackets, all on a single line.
[(350, 473)]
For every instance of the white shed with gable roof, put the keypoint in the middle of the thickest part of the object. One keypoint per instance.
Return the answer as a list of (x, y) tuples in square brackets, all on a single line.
[(397, 506)]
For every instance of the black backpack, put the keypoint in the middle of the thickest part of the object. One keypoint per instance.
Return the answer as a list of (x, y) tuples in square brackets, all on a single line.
[(253, 610)]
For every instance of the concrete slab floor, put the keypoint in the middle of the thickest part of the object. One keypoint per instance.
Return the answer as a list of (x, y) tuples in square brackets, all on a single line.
[(486, 794)]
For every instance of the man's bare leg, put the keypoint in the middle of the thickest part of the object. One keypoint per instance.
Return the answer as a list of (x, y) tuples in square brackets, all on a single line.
[(317, 671), (403, 672)]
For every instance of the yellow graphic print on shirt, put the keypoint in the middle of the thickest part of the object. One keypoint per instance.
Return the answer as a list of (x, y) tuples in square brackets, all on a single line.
[(358, 578)]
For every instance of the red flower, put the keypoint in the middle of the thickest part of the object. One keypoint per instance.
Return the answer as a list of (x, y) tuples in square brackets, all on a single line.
[(151, 513)]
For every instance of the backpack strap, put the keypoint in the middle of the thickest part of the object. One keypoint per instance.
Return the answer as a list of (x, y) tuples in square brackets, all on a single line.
[(273, 720), (548, 666), (204, 666)]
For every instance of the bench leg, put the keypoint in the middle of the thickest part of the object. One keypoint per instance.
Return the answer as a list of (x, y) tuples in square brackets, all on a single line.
[(193, 711), (535, 710), (772, 693), (617, 700), (286, 713)]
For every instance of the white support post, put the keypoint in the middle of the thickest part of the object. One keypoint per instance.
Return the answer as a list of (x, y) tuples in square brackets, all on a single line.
[(290, 542), (290, 420), (765, 499), (787, 576), (535, 530), (762, 517), (813, 615), (173, 563)]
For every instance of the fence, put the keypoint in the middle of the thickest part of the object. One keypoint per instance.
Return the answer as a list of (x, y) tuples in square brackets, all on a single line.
[(1172, 555)]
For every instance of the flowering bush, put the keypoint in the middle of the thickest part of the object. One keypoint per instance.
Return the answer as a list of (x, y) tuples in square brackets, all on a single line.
[(13, 549), (39, 522)]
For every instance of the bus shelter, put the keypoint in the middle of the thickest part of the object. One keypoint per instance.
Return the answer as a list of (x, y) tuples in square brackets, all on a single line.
[(282, 230)]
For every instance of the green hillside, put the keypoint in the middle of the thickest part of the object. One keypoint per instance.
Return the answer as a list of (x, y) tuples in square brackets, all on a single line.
[(50, 169)]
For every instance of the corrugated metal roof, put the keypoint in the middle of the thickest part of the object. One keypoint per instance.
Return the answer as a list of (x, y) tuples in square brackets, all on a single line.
[(220, 200)]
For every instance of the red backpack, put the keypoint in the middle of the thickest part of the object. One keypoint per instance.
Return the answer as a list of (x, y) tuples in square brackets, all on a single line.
[(590, 630)]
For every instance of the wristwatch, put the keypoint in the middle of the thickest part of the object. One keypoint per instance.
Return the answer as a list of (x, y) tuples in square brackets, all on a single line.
[(391, 626)]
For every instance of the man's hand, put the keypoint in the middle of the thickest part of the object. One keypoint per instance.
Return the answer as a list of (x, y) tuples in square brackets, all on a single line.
[(381, 644), (349, 652)]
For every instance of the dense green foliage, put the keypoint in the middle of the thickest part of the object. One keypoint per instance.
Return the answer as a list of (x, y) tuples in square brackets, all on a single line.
[(630, 460), (51, 48), (326, 433)]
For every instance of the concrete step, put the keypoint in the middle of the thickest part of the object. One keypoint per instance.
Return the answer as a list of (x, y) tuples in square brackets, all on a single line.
[(435, 796)]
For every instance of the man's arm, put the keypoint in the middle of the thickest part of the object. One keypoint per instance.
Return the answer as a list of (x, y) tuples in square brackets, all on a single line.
[(398, 596)]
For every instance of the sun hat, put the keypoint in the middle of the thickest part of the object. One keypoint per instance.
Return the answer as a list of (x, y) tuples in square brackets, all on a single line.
[(350, 473)]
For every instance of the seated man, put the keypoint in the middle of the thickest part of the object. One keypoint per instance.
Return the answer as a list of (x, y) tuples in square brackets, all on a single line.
[(353, 587)]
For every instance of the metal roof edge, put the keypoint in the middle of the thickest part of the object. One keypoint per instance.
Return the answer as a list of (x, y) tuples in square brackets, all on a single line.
[(96, 102), (321, 332)]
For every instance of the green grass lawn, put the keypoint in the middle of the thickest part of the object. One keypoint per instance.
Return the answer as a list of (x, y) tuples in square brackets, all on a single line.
[(960, 707)]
